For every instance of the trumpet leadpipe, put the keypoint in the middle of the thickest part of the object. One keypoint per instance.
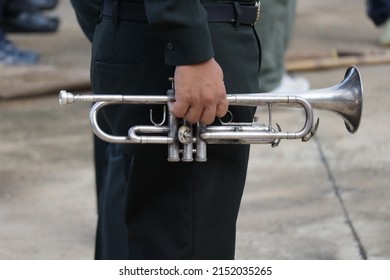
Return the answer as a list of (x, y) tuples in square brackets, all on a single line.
[(66, 98)]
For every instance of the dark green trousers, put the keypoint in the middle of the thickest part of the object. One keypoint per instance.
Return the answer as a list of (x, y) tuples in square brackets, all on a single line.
[(111, 232), (175, 210)]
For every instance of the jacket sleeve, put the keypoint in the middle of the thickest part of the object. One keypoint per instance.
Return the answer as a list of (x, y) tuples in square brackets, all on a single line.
[(184, 30)]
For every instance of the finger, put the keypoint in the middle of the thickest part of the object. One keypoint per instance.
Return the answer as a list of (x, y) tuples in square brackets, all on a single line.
[(222, 109), (193, 114), (179, 109), (208, 115)]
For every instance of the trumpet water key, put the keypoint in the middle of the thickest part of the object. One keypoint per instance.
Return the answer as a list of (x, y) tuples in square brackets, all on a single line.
[(344, 99)]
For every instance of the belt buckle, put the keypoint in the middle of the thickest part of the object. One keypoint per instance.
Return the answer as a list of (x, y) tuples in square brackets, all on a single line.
[(257, 4)]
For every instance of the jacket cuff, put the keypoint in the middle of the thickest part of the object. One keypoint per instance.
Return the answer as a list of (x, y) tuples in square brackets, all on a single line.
[(185, 46)]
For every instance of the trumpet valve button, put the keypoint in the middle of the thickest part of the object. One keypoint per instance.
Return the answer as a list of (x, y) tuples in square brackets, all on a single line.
[(185, 134)]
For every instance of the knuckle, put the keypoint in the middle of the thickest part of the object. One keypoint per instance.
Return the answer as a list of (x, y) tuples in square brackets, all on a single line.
[(178, 110), (207, 120)]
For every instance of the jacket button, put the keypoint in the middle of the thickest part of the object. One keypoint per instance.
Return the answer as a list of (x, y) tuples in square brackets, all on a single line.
[(170, 46)]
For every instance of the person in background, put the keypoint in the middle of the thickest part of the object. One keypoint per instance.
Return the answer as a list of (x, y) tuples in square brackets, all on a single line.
[(23, 16), (379, 12), (9, 53), (275, 28), (27, 16)]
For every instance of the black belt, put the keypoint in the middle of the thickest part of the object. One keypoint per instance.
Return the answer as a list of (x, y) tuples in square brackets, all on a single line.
[(226, 12)]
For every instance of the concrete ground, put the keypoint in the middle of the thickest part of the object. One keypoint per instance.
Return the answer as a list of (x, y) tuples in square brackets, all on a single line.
[(324, 199)]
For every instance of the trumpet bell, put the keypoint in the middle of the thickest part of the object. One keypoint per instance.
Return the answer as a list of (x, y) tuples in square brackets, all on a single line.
[(352, 110), (344, 99)]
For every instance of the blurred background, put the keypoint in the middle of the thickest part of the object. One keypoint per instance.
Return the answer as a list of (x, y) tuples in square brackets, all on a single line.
[(324, 199)]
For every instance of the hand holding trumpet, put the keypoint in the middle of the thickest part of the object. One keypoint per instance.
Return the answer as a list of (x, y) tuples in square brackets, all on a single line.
[(200, 93)]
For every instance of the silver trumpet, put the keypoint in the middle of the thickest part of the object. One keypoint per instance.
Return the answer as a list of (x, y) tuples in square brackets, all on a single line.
[(344, 99)]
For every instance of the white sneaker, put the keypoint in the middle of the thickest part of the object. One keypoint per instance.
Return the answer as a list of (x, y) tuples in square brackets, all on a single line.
[(385, 38), (292, 84)]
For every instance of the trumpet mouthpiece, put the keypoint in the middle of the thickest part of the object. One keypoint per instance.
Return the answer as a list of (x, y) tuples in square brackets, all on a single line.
[(65, 97)]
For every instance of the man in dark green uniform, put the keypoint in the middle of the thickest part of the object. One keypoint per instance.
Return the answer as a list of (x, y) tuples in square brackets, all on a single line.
[(87, 12), (179, 210), (111, 237)]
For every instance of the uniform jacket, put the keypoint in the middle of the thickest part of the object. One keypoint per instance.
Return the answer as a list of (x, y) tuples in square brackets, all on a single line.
[(184, 28)]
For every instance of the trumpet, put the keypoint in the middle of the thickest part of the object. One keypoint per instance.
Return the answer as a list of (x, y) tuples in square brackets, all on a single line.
[(184, 141)]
